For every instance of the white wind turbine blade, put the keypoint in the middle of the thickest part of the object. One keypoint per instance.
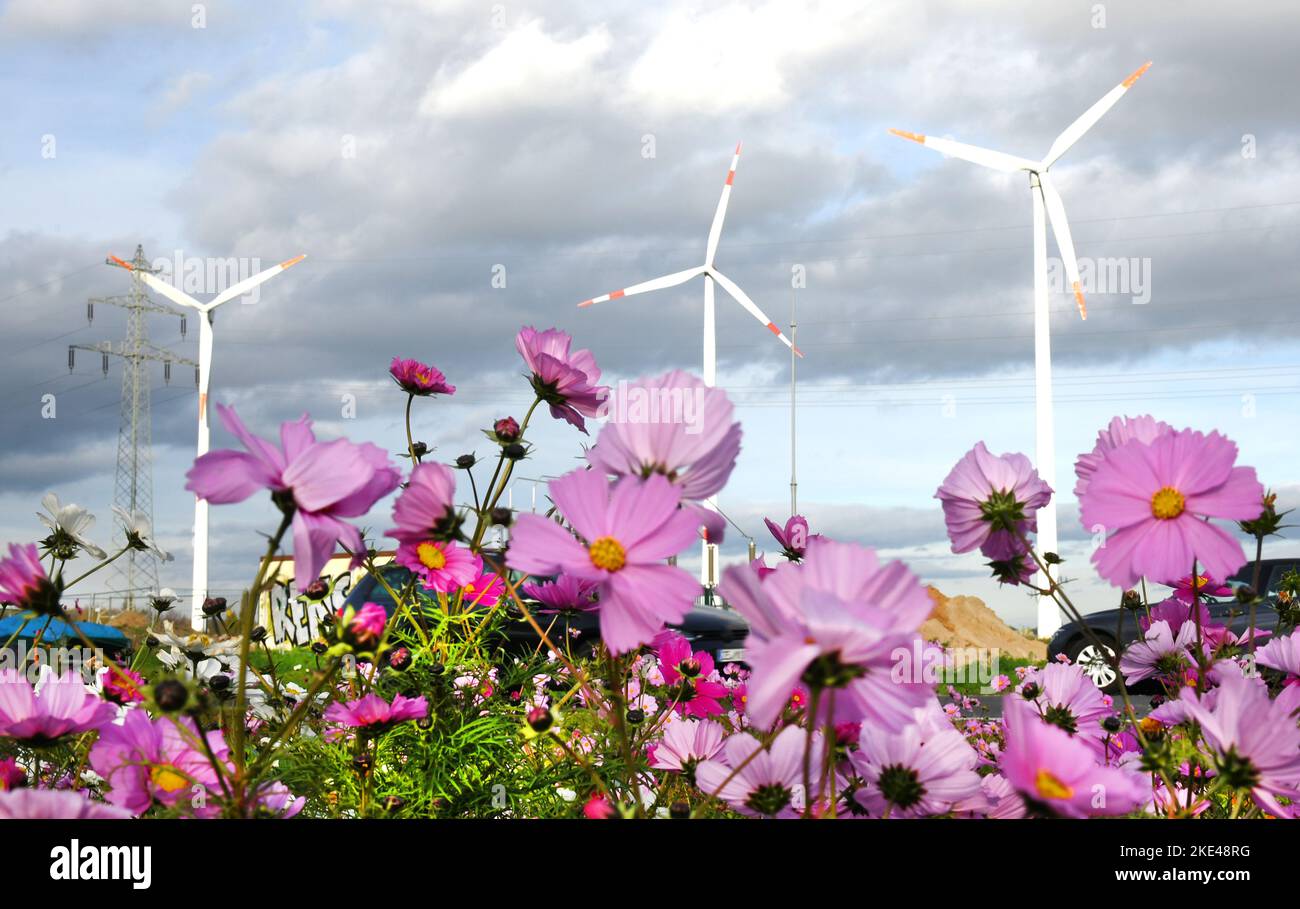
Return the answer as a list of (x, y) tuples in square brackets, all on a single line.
[(715, 229), (679, 277), (751, 307), (239, 288), (1075, 130), (158, 285), (1064, 242), (972, 153)]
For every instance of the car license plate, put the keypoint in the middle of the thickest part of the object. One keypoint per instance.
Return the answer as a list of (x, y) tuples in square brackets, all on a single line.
[(731, 655)]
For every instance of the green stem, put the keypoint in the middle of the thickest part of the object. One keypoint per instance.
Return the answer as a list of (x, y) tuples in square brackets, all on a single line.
[(109, 560)]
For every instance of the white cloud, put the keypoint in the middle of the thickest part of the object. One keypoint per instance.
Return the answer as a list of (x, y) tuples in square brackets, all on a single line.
[(527, 68), (82, 18)]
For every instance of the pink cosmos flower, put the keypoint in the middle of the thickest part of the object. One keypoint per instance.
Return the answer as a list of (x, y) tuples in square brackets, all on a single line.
[(674, 425), (1059, 773), (1255, 741), (326, 480), (1120, 430), (54, 804), (122, 686), (793, 537), (1153, 499), (988, 501), (1070, 700), (372, 714), (1282, 654), (690, 672), (365, 626), (626, 530), (918, 772), (1161, 654), (11, 775), (485, 590), (685, 744), (425, 509), (23, 582), (566, 594), (62, 706), (770, 783), (444, 567), (421, 379), (836, 620), (144, 761), (565, 380)]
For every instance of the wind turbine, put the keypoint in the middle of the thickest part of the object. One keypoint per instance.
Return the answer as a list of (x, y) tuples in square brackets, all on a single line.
[(711, 275), (1046, 200), (205, 310)]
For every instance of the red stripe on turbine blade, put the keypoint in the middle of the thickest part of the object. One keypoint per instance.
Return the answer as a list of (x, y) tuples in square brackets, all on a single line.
[(738, 144), (797, 352), (128, 266), (585, 303), (771, 326), (616, 294), (731, 175)]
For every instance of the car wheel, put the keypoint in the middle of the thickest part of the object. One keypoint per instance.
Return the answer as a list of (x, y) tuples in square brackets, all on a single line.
[(1096, 662)]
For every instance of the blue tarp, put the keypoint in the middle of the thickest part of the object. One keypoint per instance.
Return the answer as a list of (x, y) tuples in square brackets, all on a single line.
[(60, 630)]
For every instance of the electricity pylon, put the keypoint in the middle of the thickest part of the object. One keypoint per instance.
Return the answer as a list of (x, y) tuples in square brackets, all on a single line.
[(136, 573)]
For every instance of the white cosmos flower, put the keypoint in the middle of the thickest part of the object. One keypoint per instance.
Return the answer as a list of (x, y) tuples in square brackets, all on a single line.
[(139, 532), (196, 644), (71, 521)]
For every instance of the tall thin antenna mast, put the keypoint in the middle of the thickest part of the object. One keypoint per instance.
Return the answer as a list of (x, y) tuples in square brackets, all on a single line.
[(136, 572)]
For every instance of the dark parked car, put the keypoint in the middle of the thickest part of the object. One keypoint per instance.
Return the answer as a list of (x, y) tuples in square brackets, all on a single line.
[(715, 630), (1106, 625)]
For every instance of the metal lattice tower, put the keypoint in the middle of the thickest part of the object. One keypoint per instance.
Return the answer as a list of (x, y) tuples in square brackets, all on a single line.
[(136, 573)]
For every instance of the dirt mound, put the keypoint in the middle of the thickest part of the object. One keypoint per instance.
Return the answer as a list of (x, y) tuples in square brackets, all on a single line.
[(133, 623), (967, 622)]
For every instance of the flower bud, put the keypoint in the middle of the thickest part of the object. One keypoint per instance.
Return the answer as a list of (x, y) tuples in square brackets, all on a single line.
[(316, 590), (420, 449), (515, 451), (636, 716), (679, 810), (258, 634), (1030, 691), (1131, 600), (171, 695), (540, 719), (466, 461), (506, 429), (214, 606), (1111, 724)]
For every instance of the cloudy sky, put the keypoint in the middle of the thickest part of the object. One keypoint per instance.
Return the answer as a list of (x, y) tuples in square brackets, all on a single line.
[(415, 149)]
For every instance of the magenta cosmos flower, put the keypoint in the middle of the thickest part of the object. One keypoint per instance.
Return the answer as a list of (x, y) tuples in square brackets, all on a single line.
[(1070, 700), (768, 784), (425, 509), (144, 761), (326, 481), (689, 675), (363, 627), (673, 425), (1198, 588), (1152, 498), (924, 770), (1120, 430), (444, 567), (837, 621), (565, 380), (1058, 773), (625, 532), (1254, 739), (793, 537), (372, 715), (54, 804), (990, 501), (62, 706), (419, 379), (24, 583), (565, 594)]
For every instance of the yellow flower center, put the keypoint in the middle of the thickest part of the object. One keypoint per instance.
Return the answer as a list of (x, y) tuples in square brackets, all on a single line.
[(1167, 504), (608, 553), (1049, 787), (431, 556), (168, 779)]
